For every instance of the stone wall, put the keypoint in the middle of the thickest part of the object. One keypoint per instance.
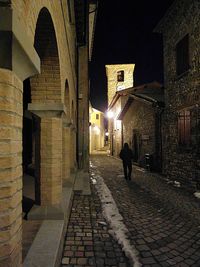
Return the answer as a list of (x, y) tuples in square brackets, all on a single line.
[(133, 123), (112, 84), (181, 91)]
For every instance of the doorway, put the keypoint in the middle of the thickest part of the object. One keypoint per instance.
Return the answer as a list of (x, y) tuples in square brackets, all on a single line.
[(136, 145), (30, 154)]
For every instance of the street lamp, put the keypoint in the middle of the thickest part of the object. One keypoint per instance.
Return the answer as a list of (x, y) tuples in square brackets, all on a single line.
[(110, 114)]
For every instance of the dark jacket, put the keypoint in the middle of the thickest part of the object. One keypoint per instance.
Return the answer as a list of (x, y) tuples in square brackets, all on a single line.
[(126, 155)]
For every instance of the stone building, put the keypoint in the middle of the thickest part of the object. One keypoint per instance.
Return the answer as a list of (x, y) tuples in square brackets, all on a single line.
[(44, 52), (141, 119), (119, 77), (97, 130), (180, 28)]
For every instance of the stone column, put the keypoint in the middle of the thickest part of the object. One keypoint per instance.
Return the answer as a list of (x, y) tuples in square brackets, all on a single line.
[(10, 169), (50, 161), (18, 61)]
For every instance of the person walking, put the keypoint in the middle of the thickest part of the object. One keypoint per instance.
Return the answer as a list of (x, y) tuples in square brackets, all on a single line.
[(126, 154)]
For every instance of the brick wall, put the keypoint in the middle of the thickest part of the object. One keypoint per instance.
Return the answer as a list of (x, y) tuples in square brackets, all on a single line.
[(51, 160), (28, 12), (55, 43), (10, 168)]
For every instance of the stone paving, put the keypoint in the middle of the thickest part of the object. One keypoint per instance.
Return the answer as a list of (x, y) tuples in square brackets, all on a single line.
[(162, 235), (29, 231), (88, 242)]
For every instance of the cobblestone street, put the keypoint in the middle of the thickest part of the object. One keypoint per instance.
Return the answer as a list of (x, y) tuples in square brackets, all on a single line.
[(160, 234)]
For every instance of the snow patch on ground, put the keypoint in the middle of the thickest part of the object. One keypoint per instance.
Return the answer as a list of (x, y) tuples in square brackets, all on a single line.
[(197, 194), (111, 213), (120, 176), (177, 184)]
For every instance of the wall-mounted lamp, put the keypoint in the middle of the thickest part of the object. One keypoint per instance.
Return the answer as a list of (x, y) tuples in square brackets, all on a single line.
[(110, 114)]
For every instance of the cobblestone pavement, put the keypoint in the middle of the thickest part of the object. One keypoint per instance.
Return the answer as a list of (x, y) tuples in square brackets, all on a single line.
[(88, 242), (162, 236)]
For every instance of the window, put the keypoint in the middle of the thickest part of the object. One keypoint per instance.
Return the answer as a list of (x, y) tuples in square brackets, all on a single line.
[(189, 127), (120, 76), (184, 134), (182, 55), (97, 116)]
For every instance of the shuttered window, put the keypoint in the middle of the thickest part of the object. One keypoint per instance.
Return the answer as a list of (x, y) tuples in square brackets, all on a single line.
[(184, 128), (182, 55)]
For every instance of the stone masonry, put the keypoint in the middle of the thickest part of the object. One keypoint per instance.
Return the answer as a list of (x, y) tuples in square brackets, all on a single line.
[(134, 119), (181, 91), (113, 86)]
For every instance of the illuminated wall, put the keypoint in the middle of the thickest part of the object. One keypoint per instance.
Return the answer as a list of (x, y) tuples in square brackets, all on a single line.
[(97, 130), (119, 77), (115, 82)]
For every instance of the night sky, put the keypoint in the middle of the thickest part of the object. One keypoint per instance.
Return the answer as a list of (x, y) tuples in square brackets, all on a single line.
[(124, 34)]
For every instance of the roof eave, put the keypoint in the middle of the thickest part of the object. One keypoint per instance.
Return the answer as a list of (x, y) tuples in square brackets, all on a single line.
[(159, 27)]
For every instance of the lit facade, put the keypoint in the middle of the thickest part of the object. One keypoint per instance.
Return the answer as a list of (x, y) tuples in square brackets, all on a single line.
[(97, 130), (119, 78)]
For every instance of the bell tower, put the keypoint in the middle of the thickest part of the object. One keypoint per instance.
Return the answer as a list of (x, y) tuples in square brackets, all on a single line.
[(119, 77)]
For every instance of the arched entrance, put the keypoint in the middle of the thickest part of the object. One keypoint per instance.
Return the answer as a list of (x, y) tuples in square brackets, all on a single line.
[(42, 133), (45, 104)]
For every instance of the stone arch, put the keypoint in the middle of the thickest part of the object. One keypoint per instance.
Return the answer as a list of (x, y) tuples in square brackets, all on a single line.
[(45, 96), (46, 87)]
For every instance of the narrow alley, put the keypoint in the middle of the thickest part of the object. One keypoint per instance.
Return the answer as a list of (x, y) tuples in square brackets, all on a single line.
[(157, 234)]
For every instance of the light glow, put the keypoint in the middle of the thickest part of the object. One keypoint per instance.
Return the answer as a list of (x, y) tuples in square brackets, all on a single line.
[(97, 130), (110, 114)]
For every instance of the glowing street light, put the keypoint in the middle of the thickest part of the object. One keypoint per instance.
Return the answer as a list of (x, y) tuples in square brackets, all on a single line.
[(110, 114)]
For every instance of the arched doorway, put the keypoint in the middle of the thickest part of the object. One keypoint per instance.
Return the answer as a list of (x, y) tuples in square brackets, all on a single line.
[(45, 93), (42, 133)]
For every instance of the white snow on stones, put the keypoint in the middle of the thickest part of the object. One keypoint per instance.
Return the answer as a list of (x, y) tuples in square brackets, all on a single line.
[(197, 194), (111, 213)]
